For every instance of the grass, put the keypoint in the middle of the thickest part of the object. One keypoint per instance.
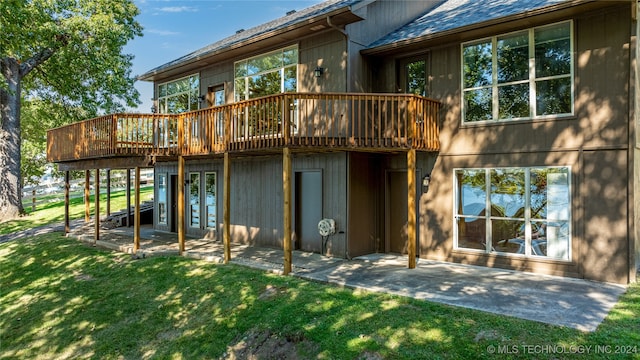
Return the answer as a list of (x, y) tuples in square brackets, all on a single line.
[(53, 212), (63, 300), (60, 299)]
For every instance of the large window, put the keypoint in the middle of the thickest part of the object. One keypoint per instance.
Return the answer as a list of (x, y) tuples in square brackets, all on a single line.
[(211, 198), (180, 95), (526, 74), (267, 74), (523, 211), (162, 198), (194, 199)]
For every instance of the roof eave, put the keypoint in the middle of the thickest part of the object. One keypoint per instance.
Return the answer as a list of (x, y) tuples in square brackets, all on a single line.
[(402, 44), (158, 72)]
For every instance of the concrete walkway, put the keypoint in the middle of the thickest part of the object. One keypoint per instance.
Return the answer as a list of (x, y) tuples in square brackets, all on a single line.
[(574, 303)]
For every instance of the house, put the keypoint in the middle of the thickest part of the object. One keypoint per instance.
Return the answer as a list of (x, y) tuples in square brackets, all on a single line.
[(500, 134)]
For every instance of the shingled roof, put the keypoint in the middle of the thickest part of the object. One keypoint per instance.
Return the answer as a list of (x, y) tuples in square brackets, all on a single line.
[(290, 19), (454, 14)]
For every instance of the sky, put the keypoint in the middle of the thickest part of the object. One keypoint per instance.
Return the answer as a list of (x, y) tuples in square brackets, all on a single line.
[(176, 28)]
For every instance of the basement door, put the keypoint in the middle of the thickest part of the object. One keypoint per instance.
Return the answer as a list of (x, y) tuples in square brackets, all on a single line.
[(308, 210), (396, 204)]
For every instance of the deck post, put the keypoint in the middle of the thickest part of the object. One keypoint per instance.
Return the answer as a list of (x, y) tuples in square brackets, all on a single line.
[(96, 184), (181, 209), (286, 189), (411, 208), (66, 202), (227, 208), (108, 192), (128, 191), (87, 180), (136, 212)]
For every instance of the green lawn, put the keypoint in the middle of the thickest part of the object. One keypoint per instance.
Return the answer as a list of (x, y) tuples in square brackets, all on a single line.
[(60, 299), (53, 212)]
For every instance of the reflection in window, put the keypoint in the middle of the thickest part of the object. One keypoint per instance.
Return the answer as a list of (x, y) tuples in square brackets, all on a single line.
[(529, 211), (179, 95), (210, 195), (416, 75), (194, 199), (521, 75), (267, 74), (162, 198)]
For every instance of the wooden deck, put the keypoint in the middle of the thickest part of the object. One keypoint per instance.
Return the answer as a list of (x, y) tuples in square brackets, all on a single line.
[(310, 122)]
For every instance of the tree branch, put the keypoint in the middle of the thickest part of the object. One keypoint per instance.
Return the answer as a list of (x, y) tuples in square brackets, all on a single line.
[(26, 67)]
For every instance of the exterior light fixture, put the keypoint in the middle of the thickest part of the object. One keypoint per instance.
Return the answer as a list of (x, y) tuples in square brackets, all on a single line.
[(202, 97), (154, 109), (426, 180), (318, 71)]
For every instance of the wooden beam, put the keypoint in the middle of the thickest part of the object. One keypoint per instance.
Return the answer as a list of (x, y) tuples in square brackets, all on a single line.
[(108, 192), (87, 180), (128, 191), (96, 210), (117, 162), (226, 218), (411, 208), (136, 212), (181, 209), (286, 189), (67, 187)]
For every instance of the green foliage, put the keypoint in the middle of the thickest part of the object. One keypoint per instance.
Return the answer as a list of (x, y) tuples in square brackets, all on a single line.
[(87, 68)]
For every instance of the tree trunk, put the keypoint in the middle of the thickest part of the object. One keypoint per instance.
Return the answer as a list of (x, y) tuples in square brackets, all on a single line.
[(10, 184)]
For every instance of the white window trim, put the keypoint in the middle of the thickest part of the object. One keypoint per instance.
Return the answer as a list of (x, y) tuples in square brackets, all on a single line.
[(199, 201), (161, 98), (245, 96), (166, 200), (215, 175), (527, 215), (532, 79)]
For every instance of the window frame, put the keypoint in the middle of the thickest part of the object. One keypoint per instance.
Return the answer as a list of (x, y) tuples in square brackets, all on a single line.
[(215, 197), (197, 206), (162, 99), (527, 216), (165, 202), (281, 70), (532, 80)]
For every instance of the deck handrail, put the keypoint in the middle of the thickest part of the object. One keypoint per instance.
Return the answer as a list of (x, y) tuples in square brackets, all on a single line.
[(303, 120)]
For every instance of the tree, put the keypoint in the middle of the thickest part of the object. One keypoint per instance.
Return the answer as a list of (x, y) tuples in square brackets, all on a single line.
[(66, 52)]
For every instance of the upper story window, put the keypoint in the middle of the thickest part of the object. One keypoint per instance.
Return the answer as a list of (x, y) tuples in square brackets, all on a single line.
[(521, 75), (416, 77), (272, 73), (179, 95)]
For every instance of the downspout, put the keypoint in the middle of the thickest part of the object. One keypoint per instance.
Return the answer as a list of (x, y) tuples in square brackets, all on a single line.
[(346, 38)]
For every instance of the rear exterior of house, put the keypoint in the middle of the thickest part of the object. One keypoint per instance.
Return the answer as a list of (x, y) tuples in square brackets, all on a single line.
[(524, 159)]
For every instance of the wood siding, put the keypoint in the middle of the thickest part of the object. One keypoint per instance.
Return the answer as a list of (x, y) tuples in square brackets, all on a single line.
[(594, 143)]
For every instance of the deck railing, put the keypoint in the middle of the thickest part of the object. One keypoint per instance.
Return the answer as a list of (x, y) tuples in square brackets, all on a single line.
[(347, 121)]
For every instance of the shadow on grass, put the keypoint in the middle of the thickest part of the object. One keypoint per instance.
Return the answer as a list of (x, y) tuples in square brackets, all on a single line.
[(61, 299)]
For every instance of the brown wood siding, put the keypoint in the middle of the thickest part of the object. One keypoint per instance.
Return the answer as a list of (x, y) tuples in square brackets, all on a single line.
[(329, 52), (594, 143), (219, 74), (334, 193), (604, 248), (364, 199)]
